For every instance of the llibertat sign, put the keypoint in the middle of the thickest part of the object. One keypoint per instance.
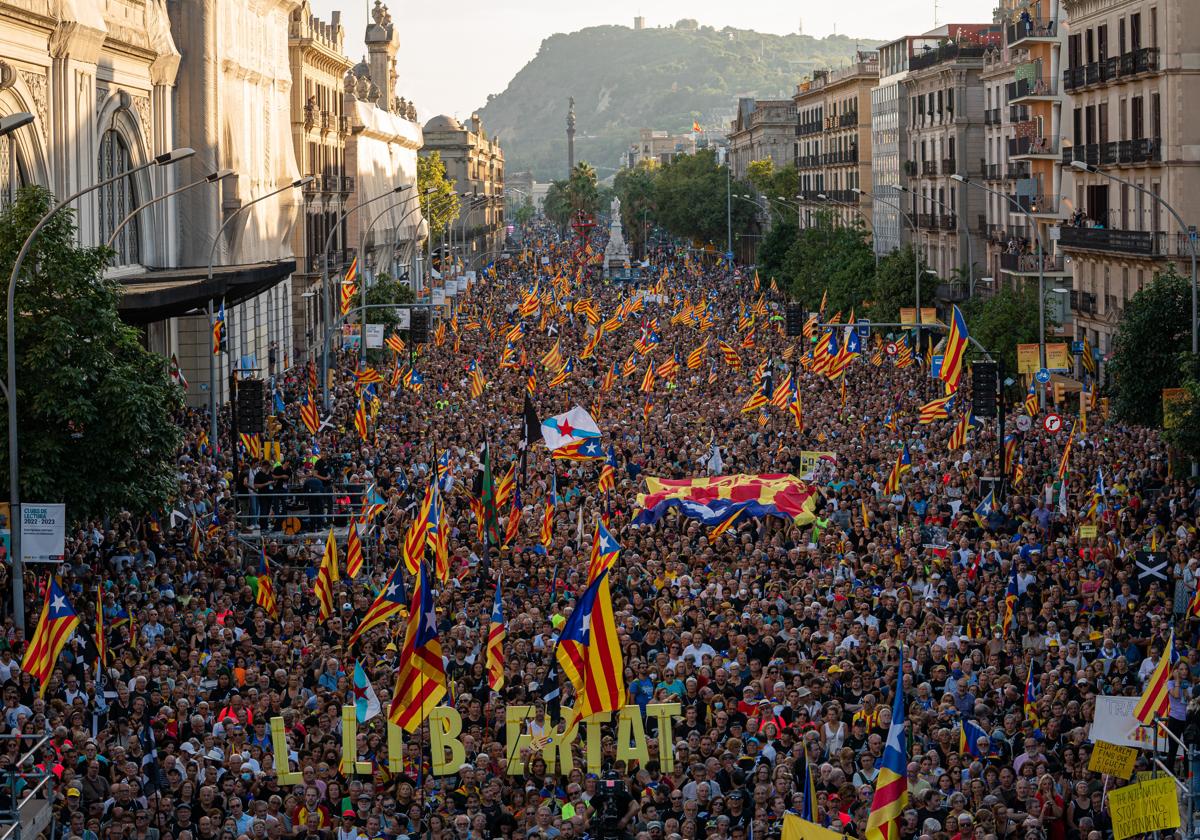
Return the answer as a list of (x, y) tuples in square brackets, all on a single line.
[(447, 753)]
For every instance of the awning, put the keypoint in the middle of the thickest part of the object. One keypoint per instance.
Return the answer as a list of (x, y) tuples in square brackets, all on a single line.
[(157, 294)]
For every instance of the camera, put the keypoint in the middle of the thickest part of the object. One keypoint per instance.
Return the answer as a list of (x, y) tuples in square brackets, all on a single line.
[(605, 822)]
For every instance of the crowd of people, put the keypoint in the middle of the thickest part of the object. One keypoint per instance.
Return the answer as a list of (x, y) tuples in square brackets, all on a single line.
[(781, 641)]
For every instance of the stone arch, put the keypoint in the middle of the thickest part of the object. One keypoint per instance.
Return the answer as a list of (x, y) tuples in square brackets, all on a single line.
[(30, 141), (118, 113)]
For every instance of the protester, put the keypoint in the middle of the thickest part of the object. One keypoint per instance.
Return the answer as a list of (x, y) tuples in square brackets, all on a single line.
[(781, 642)]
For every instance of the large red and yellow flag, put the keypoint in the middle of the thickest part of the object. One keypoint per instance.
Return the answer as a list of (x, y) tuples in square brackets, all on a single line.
[(327, 576), (713, 500), (54, 628), (1155, 702), (421, 682)]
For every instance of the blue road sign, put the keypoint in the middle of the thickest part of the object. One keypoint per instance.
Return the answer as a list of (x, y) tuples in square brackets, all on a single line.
[(864, 328), (1077, 348), (1042, 376)]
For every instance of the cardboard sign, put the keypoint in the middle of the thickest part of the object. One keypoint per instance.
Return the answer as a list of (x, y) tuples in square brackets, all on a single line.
[(1114, 722), (1112, 759), (908, 315), (1143, 807), (1088, 532), (1058, 356), (1028, 359), (929, 315)]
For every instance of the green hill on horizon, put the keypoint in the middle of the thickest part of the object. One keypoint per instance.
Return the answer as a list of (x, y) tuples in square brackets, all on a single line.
[(624, 80)]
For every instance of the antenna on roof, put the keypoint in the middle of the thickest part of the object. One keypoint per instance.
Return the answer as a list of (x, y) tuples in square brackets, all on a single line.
[(935, 13)]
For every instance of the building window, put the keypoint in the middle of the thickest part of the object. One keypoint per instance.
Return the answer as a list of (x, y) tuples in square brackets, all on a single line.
[(13, 174), (118, 199)]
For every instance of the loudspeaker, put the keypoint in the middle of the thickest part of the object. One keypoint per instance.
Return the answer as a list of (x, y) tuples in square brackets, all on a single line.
[(794, 317), (984, 388), (418, 326), (250, 406)]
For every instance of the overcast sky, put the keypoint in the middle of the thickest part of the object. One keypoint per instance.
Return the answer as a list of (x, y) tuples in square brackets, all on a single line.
[(453, 54)]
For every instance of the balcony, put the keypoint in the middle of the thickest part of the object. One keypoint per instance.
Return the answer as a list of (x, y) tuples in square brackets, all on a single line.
[(843, 157), (1034, 29), (1028, 264), (1038, 205), (1139, 243), (848, 120), (343, 124), (312, 186), (1016, 171), (910, 168), (808, 161), (328, 121), (946, 52), (1031, 90), (814, 127), (992, 172), (347, 185), (1033, 147), (1112, 70), (1115, 153), (929, 167), (947, 221), (991, 116), (952, 292), (949, 166), (842, 196)]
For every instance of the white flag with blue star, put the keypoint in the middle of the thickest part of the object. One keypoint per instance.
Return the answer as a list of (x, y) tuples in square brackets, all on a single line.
[(366, 701)]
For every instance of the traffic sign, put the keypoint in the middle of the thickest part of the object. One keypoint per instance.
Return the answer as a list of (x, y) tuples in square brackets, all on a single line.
[(1024, 423), (1053, 423), (1042, 376), (864, 328), (1077, 348), (891, 348)]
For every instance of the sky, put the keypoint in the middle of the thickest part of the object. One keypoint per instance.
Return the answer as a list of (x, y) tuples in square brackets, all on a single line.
[(453, 54)]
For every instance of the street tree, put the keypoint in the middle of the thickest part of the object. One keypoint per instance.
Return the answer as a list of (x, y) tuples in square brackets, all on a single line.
[(99, 416), (1149, 347), (1001, 322), (439, 203), (690, 194), (827, 257), (894, 285)]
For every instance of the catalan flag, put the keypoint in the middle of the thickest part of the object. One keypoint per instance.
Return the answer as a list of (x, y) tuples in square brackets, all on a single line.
[(969, 733), (478, 383), (1010, 600), (354, 552), (585, 449), (588, 650), (955, 350), (608, 471), (395, 343), (903, 465), (934, 410), (386, 604), (421, 681), (1155, 701), (218, 330), (1193, 608), (1029, 701), (513, 526), (984, 509), (495, 643), (547, 533), (327, 576), (264, 596), (891, 784), (55, 627), (309, 415), (730, 355), (1089, 361), (349, 287), (1064, 462), (1031, 401), (958, 438), (360, 418)]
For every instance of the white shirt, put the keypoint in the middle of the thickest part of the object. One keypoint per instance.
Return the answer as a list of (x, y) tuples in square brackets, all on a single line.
[(696, 654)]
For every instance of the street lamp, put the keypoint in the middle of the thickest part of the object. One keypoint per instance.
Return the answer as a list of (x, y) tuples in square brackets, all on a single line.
[(211, 178), (970, 257), (1188, 232), (212, 253), (12, 122), (916, 257), (14, 458), (1041, 252), (333, 229)]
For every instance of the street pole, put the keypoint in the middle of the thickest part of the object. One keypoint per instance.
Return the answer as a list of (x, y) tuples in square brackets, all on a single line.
[(12, 123), (325, 302), (212, 253), (916, 256), (728, 210), (970, 255), (1041, 261)]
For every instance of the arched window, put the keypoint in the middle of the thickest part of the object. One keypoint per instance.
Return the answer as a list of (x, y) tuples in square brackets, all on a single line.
[(118, 199), (13, 173)]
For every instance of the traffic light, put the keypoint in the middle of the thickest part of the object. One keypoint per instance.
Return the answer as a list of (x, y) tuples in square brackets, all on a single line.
[(418, 326), (794, 317), (984, 390), (1060, 394), (249, 408)]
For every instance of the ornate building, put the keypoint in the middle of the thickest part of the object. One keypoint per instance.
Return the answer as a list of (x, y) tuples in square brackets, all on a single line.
[(319, 131), (764, 129), (234, 109), (381, 154), (476, 163), (97, 76)]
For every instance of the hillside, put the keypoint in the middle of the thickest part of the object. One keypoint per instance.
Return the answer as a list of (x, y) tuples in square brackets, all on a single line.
[(624, 80)]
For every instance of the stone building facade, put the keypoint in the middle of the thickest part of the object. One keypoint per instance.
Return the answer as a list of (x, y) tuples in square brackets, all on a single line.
[(764, 129), (476, 164)]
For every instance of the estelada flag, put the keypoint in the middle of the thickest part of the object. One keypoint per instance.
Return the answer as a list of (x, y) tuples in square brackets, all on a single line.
[(713, 500)]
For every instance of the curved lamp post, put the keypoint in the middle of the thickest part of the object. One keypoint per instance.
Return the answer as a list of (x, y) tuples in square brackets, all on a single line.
[(970, 256), (14, 456), (212, 253), (211, 178)]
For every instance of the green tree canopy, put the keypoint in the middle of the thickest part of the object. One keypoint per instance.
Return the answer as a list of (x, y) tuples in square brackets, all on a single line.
[(1148, 350), (1001, 322), (582, 193), (635, 188), (690, 194), (439, 204), (557, 204), (834, 258), (97, 412), (894, 285)]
